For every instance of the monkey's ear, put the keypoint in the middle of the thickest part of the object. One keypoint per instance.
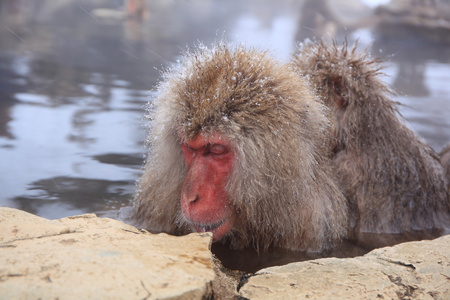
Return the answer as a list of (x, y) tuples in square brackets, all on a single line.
[(338, 92)]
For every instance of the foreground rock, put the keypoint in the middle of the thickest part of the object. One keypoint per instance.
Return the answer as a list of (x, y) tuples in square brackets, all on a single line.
[(85, 257), (415, 270)]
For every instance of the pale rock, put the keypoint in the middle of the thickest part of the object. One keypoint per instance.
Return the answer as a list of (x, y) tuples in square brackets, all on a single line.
[(85, 257), (17, 225), (414, 270)]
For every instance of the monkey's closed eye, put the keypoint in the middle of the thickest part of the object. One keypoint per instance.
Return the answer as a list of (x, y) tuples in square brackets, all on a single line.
[(188, 149), (218, 149)]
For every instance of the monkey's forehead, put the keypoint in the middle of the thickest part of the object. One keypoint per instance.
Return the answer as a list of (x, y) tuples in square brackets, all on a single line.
[(211, 72), (222, 86)]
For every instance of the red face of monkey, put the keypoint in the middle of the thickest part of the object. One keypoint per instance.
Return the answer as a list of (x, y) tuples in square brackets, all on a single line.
[(204, 199)]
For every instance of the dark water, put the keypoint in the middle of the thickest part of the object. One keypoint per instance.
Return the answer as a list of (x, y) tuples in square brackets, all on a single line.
[(249, 260), (75, 77)]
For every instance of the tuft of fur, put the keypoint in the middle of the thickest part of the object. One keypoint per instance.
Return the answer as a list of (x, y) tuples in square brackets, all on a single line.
[(391, 178), (444, 156), (282, 189)]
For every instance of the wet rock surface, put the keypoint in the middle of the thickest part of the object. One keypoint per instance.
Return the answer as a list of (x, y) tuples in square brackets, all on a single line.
[(85, 257)]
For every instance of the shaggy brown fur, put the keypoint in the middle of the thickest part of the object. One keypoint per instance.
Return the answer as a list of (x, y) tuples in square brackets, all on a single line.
[(391, 178), (282, 189), (445, 160)]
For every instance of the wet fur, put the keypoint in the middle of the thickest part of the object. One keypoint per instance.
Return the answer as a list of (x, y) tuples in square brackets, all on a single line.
[(393, 181), (282, 189)]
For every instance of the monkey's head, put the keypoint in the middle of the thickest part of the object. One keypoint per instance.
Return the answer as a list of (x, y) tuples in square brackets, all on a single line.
[(233, 149), (338, 73), (348, 82)]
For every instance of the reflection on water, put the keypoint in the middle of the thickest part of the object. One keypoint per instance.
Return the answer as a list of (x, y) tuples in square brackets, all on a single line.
[(75, 77), (76, 195)]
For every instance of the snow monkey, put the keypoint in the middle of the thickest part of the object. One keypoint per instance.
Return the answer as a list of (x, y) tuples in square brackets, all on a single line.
[(238, 147), (393, 181)]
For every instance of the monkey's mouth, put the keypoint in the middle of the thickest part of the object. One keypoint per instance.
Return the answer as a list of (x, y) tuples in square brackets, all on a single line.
[(199, 227), (218, 229)]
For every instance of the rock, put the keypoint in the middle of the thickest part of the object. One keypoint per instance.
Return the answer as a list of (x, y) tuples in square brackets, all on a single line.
[(414, 270), (18, 225), (85, 257)]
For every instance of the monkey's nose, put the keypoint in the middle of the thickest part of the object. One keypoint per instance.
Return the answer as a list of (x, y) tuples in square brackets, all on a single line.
[(194, 199)]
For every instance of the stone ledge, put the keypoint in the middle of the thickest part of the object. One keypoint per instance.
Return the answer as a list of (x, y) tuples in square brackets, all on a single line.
[(85, 257), (413, 270)]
